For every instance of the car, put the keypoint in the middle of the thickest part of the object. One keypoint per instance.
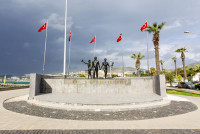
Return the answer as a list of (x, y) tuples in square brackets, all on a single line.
[(188, 85), (196, 82), (173, 84), (197, 86)]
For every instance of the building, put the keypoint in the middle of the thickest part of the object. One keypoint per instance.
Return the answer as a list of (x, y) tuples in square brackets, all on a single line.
[(196, 77)]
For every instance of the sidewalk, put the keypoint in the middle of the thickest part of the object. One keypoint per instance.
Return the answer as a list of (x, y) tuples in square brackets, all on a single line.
[(185, 90), (14, 121)]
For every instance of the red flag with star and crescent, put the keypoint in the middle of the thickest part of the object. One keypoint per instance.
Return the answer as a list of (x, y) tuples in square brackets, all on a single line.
[(144, 26), (120, 38), (43, 27), (93, 40), (70, 36)]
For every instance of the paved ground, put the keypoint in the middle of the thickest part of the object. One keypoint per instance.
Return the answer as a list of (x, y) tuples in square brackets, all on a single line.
[(14, 121), (175, 108), (102, 132)]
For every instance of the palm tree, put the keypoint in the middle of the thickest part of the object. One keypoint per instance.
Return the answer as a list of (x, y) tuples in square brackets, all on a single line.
[(153, 71), (162, 62), (138, 57), (197, 68), (174, 58), (155, 29), (182, 51)]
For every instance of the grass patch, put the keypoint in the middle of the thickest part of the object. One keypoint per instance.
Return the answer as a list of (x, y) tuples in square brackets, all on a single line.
[(169, 91)]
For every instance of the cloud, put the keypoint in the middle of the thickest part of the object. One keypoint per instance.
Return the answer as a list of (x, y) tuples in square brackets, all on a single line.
[(57, 22), (88, 18), (176, 24), (60, 40), (27, 44)]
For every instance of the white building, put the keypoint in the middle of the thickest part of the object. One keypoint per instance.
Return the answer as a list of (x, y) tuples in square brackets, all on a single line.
[(196, 77)]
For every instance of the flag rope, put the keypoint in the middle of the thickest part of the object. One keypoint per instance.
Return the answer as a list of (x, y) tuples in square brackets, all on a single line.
[(45, 49), (148, 53), (69, 55)]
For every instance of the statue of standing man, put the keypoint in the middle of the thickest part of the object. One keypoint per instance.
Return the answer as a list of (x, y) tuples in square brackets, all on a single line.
[(89, 68), (105, 66), (96, 67)]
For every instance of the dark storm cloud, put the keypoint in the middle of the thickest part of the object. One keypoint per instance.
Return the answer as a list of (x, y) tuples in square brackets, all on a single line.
[(22, 46)]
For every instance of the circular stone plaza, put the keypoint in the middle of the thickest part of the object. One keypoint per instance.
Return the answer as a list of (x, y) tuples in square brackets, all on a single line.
[(119, 105)]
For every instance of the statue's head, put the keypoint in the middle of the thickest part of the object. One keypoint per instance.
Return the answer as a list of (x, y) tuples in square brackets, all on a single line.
[(89, 61), (95, 58), (105, 59)]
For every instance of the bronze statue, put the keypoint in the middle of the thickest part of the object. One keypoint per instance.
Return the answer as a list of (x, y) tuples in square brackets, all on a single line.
[(95, 67), (89, 68), (105, 66)]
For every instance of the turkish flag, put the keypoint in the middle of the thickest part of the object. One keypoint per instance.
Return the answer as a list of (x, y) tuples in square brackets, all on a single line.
[(120, 38), (93, 40), (144, 26), (43, 27), (70, 36)]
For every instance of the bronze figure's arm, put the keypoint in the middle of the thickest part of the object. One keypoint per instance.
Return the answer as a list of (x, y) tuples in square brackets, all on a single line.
[(84, 62)]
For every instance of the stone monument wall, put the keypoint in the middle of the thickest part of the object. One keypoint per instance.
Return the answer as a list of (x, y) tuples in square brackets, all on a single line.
[(142, 85)]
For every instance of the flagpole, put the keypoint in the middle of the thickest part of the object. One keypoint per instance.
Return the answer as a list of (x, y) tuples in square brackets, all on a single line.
[(45, 49), (95, 47), (148, 52), (69, 56), (65, 41), (123, 59)]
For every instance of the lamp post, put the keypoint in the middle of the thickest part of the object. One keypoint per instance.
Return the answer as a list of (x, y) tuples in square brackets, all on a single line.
[(110, 69)]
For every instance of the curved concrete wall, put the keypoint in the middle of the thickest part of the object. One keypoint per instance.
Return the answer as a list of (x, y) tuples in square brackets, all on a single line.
[(143, 85), (104, 86)]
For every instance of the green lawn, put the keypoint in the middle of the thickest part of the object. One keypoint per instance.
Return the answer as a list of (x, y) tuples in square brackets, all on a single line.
[(169, 91)]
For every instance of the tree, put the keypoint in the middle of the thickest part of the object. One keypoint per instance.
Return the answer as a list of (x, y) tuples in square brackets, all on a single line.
[(155, 29), (81, 75), (174, 58), (179, 78), (170, 78), (153, 71), (138, 57), (162, 62), (182, 51), (197, 68)]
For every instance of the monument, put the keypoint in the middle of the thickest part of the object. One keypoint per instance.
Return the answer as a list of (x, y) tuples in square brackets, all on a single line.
[(95, 67), (96, 94), (105, 66), (89, 68)]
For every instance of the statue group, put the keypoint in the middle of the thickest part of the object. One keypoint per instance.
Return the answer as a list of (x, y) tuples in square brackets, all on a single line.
[(95, 66)]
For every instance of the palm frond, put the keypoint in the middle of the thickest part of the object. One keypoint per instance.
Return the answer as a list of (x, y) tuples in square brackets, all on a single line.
[(181, 50), (155, 25), (161, 25), (161, 61), (174, 58), (137, 56)]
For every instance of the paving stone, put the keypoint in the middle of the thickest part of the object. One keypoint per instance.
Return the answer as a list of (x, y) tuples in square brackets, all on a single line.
[(141, 131), (175, 108)]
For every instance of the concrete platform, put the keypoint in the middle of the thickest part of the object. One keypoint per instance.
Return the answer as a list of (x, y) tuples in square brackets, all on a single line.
[(105, 102), (98, 94), (99, 99)]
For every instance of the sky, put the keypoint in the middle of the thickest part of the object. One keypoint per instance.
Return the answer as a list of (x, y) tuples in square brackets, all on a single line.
[(22, 47)]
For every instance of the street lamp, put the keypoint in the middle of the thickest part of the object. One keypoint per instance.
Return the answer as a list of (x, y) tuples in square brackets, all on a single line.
[(110, 68), (187, 32)]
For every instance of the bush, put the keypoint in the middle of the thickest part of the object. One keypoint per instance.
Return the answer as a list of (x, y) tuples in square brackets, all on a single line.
[(170, 77), (81, 75)]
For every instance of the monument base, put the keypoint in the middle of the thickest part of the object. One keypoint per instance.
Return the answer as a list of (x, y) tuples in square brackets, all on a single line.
[(103, 94)]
